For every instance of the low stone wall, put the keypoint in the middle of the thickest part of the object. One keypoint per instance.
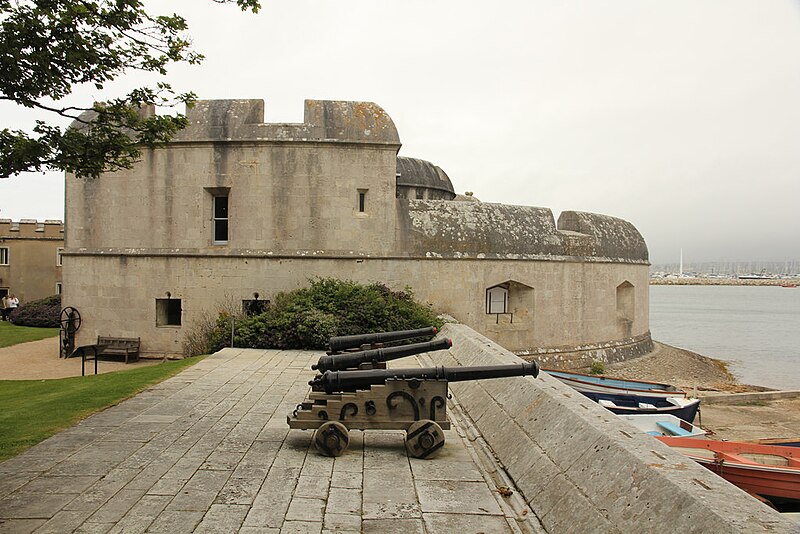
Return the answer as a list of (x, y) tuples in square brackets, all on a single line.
[(583, 470), (581, 357)]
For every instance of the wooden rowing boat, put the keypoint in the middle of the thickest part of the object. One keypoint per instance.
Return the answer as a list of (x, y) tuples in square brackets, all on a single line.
[(680, 407), (618, 386), (771, 471)]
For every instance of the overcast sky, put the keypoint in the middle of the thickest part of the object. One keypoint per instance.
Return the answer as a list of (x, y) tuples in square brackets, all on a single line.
[(682, 117)]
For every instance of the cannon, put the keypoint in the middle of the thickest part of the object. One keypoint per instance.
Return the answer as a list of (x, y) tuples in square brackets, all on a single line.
[(414, 400), (339, 381), (372, 357), (341, 343)]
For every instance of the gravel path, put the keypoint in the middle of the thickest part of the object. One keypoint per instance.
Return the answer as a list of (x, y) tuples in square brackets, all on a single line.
[(37, 360)]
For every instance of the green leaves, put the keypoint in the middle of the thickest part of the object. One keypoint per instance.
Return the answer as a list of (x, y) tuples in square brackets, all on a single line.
[(47, 47), (306, 318)]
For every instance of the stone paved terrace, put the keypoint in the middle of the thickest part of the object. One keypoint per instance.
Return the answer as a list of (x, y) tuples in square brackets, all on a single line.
[(209, 450)]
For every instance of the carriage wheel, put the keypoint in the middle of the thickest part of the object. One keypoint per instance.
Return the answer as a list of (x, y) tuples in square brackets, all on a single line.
[(331, 438), (424, 439), (70, 315)]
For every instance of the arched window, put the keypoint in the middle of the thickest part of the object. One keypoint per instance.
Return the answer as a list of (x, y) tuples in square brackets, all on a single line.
[(625, 301)]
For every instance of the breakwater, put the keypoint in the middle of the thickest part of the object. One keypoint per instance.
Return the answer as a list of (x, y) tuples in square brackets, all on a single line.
[(725, 282)]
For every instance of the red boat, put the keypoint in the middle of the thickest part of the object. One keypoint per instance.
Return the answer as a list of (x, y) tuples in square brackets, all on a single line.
[(771, 471)]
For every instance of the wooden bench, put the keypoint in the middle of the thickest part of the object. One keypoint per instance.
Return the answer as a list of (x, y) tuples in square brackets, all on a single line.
[(120, 346)]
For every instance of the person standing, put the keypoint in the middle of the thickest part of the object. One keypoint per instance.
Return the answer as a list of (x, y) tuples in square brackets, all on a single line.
[(12, 304), (3, 305)]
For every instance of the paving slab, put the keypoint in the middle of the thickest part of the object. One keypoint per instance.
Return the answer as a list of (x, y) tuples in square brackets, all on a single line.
[(209, 450)]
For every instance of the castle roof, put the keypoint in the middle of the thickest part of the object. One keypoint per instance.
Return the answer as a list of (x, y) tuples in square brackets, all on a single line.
[(413, 172)]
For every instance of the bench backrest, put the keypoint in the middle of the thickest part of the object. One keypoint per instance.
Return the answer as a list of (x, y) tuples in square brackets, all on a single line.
[(120, 342)]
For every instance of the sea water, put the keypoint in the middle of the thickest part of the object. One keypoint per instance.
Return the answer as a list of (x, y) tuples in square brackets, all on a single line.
[(755, 329)]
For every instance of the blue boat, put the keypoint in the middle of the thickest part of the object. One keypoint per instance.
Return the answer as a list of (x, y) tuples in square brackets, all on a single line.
[(680, 407), (617, 386)]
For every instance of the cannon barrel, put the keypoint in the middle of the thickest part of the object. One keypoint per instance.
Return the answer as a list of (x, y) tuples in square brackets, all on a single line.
[(338, 381), (353, 359), (348, 342)]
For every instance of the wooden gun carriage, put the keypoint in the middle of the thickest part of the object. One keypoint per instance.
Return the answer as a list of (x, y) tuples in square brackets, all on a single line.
[(354, 394)]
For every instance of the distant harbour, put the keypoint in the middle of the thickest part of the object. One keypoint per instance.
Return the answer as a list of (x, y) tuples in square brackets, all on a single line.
[(706, 281)]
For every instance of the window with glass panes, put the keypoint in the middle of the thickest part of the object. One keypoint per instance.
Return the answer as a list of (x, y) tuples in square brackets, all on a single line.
[(220, 219)]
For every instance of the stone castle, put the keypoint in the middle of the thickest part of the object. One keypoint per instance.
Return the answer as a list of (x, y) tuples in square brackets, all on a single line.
[(235, 207)]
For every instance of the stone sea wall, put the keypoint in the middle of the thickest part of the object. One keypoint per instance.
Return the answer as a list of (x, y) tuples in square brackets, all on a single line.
[(581, 468)]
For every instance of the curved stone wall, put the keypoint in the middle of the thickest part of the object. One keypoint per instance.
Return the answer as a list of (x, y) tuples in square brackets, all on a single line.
[(478, 229), (611, 237), (420, 179)]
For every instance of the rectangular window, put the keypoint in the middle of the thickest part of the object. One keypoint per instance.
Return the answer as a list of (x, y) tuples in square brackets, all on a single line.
[(58, 288), (168, 312), (362, 200), (220, 220), (496, 300), (59, 250), (3, 255)]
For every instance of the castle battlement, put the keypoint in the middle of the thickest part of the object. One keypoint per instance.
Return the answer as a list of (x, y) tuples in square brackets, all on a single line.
[(31, 228), (324, 121)]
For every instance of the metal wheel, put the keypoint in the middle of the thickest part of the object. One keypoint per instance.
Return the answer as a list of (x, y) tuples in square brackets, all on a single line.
[(331, 438), (70, 318), (424, 439)]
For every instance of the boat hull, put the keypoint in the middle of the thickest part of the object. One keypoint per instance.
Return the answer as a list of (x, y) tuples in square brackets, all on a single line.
[(615, 386), (743, 464), (685, 409)]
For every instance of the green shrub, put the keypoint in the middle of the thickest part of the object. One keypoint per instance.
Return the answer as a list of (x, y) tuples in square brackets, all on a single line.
[(306, 318), (597, 368), (41, 313)]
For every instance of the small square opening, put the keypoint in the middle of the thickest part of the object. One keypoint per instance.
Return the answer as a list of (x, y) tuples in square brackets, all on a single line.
[(168, 312)]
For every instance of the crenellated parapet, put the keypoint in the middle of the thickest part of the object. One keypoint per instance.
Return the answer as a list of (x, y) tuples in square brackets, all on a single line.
[(243, 120), (31, 229), (324, 120)]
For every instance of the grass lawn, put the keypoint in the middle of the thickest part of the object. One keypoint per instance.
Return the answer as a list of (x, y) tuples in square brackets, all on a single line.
[(11, 334), (33, 410)]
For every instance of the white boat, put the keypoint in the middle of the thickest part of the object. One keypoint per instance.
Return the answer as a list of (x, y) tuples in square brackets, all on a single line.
[(664, 425)]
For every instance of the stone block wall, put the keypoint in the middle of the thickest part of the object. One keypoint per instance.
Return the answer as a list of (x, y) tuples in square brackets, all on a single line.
[(581, 469), (320, 198), (116, 292)]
